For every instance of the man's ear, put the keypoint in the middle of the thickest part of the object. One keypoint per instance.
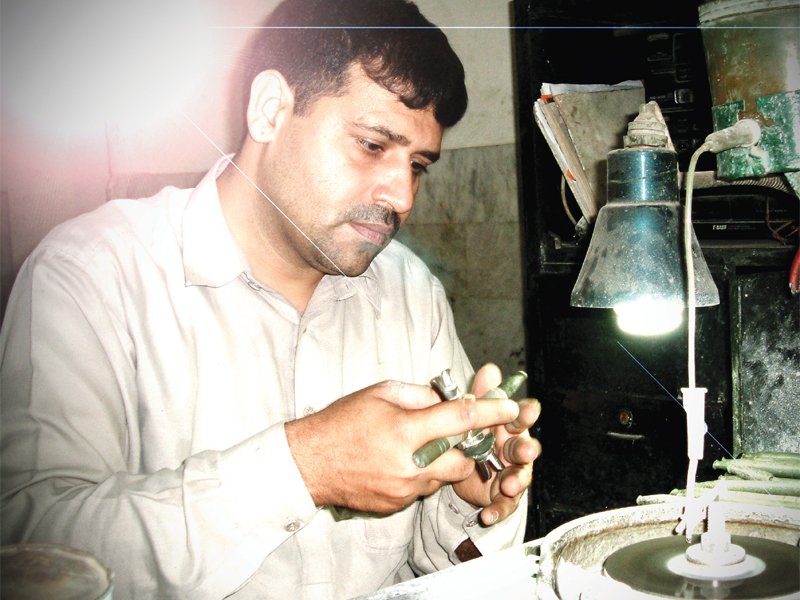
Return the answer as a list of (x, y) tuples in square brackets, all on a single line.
[(270, 99)]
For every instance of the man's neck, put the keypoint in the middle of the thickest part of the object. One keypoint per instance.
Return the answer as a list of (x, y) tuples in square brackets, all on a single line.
[(248, 217)]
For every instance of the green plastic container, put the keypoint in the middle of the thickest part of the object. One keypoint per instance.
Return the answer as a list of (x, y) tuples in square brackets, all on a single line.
[(753, 59)]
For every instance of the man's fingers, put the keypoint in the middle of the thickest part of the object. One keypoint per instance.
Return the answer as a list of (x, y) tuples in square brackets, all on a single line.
[(513, 483), (408, 395), (529, 411), (521, 450), (488, 377), (515, 480), (453, 466), (458, 416), (453, 417), (500, 508)]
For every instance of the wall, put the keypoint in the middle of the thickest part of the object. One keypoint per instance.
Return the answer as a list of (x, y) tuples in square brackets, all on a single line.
[(465, 223), (100, 100), (465, 227)]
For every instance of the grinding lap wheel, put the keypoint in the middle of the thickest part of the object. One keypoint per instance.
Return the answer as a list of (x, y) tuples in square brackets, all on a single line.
[(649, 567)]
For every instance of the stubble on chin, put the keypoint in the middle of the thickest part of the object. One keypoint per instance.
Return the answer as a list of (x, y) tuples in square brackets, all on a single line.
[(336, 258), (352, 263)]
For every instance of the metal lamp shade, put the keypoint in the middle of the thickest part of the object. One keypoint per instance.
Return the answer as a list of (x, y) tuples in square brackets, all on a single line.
[(636, 250)]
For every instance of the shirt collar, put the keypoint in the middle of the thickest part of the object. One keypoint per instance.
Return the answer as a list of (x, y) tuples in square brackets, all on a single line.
[(211, 256), (366, 284)]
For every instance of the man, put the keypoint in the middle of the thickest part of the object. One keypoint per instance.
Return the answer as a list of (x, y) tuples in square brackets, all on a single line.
[(203, 388)]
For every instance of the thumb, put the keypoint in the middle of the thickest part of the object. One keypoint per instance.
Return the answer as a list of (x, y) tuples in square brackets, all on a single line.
[(487, 378)]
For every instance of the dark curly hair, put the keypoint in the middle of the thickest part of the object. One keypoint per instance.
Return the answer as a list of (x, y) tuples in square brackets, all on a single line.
[(314, 42)]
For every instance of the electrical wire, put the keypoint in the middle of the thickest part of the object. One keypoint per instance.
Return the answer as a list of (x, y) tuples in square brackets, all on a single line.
[(776, 230), (794, 275), (692, 509), (691, 301), (564, 201), (743, 133)]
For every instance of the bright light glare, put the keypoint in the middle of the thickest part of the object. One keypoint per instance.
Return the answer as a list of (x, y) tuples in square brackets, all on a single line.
[(69, 65), (649, 316)]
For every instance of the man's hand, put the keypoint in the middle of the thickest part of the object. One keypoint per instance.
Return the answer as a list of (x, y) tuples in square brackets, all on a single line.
[(516, 448), (356, 453)]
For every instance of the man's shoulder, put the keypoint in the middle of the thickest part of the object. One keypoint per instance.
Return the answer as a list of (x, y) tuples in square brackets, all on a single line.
[(115, 225), (399, 267), (399, 258)]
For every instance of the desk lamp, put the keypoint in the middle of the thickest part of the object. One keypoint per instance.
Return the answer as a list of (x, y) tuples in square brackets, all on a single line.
[(647, 266), (635, 261)]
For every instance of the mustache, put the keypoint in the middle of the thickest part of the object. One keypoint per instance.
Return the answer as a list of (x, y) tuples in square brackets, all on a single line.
[(374, 214)]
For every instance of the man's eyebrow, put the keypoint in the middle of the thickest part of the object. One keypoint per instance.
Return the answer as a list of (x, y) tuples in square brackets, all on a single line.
[(397, 138)]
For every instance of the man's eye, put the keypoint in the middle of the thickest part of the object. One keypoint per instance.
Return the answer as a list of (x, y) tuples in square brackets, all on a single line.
[(370, 146), (418, 168)]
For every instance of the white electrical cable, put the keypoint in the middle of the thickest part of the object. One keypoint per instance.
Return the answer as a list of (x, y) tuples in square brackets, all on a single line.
[(744, 133), (564, 201), (692, 511), (691, 301)]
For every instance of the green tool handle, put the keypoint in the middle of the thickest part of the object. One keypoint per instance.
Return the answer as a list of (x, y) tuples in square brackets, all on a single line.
[(435, 448)]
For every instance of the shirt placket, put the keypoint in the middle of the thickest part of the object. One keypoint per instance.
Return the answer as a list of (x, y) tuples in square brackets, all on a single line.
[(316, 383)]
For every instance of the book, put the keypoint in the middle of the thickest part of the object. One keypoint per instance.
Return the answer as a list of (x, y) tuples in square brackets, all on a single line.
[(582, 124)]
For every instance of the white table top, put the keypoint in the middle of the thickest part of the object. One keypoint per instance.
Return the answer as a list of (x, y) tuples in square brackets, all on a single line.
[(508, 574)]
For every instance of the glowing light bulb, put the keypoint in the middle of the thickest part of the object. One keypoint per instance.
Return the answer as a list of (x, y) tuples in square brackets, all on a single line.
[(649, 316)]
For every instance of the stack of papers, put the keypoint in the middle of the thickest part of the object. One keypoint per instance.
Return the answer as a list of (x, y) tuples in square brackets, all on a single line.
[(582, 124)]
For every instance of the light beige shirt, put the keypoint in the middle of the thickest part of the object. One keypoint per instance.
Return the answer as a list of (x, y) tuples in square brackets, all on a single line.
[(146, 379)]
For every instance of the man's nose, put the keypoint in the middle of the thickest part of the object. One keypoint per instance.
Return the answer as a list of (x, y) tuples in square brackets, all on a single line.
[(398, 188)]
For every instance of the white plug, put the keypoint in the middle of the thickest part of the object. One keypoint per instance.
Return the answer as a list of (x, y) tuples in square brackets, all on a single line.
[(742, 134), (695, 406)]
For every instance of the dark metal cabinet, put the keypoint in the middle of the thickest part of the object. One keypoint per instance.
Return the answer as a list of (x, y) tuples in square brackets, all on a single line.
[(611, 425)]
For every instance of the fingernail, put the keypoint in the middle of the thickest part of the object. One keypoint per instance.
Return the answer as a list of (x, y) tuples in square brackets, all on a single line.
[(492, 517), (515, 426)]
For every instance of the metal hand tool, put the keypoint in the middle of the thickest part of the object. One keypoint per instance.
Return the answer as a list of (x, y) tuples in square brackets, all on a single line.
[(475, 444)]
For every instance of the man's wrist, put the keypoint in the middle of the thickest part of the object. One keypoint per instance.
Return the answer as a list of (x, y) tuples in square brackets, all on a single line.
[(304, 458)]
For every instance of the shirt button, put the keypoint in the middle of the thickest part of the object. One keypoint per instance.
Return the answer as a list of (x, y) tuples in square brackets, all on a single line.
[(292, 526), (452, 507), (308, 411), (471, 523)]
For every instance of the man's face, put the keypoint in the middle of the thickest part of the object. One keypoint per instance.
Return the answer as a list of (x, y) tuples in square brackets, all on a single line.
[(346, 173)]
